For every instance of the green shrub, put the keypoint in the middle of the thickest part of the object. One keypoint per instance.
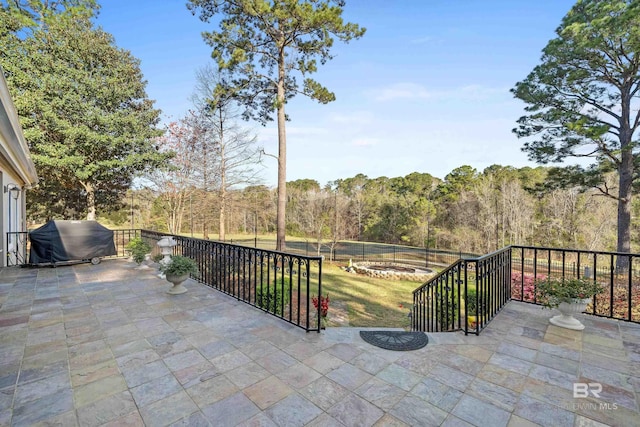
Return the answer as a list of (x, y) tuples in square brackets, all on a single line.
[(272, 296), (138, 248), (446, 310), (179, 265)]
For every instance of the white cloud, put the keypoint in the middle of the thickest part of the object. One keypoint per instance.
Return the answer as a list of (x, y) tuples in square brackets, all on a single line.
[(402, 91), (473, 92), (352, 118)]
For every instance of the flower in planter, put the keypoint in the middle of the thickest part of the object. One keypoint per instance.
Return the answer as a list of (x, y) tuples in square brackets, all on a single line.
[(551, 292)]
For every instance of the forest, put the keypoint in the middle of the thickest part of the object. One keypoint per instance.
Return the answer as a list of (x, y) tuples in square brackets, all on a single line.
[(468, 210)]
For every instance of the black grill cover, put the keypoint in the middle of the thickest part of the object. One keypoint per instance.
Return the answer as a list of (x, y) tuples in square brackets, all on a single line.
[(58, 241)]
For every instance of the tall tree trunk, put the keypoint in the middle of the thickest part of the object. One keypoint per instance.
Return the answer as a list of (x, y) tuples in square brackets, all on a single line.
[(91, 201), (625, 173), (223, 180), (282, 159), (222, 217), (624, 208)]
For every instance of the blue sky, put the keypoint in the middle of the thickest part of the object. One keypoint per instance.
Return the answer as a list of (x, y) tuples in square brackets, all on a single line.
[(425, 90)]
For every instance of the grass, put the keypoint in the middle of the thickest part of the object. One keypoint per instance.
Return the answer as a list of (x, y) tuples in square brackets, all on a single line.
[(370, 302)]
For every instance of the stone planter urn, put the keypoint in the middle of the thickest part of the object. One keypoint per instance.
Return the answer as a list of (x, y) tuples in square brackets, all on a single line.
[(177, 280), (568, 310)]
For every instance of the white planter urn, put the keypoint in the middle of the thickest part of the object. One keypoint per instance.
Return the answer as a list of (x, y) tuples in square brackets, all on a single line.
[(177, 280), (568, 310)]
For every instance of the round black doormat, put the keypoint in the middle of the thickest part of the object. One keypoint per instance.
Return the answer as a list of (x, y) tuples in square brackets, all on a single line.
[(395, 340)]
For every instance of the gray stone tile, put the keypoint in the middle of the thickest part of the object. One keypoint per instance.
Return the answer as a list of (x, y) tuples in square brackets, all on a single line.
[(542, 413), (211, 391), (344, 351), (196, 374), (85, 394), (389, 420), (105, 410), (607, 376), (183, 360), (41, 388), (565, 365), (197, 419), (298, 376), (480, 413), (517, 351), (399, 376), (155, 389), (349, 376), (324, 392), (248, 374), (499, 396), (168, 410), (451, 377), (43, 408), (416, 412), (130, 347), (215, 349), (323, 362), (268, 391), (229, 361), (353, 411), (259, 420), (380, 393), (453, 421), (437, 393), (293, 410), (145, 373), (231, 411), (462, 363), (258, 350), (511, 363), (47, 371), (137, 359), (370, 363), (553, 376), (325, 420)]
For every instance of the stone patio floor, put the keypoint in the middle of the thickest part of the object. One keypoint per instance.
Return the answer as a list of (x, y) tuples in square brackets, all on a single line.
[(105, 345)]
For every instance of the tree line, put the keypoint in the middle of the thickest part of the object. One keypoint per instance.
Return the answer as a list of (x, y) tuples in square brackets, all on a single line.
[(468, 210)]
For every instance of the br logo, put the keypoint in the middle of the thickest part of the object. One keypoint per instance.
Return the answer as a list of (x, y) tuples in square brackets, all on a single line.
[(582, 390)]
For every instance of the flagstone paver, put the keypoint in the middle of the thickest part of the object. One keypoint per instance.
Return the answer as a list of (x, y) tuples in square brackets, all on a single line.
[(105, 345)]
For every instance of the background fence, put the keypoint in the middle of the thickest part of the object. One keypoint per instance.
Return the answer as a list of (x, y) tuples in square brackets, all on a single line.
[(344, 251)]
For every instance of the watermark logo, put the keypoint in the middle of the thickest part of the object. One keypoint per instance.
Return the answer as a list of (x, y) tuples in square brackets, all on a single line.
[(583, 390), (587, 390)]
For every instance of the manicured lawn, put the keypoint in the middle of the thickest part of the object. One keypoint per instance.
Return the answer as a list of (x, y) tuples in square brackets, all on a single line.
[(370, 302)]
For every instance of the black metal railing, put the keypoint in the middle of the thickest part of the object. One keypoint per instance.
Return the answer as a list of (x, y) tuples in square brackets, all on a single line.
[(619, 273), (17, 248), (470, 292), (436, 304), (281, 284)]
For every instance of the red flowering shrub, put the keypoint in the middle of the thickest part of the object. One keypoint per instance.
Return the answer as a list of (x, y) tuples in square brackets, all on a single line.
[(324, 304), (523, 286)]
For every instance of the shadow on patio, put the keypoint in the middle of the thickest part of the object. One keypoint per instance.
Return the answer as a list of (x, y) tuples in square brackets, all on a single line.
[(105, 345)]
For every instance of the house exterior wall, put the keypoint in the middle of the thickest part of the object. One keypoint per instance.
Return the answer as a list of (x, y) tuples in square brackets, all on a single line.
[(17, 174)]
